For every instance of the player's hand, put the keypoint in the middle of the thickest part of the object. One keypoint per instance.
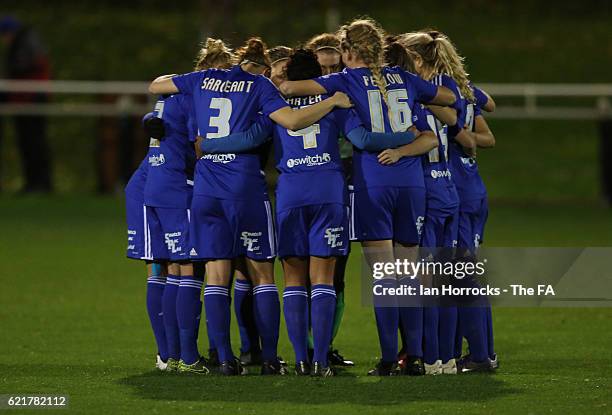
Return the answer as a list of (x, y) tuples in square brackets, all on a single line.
[(198, 147), (342, 100), (389, 156), (154, 128)]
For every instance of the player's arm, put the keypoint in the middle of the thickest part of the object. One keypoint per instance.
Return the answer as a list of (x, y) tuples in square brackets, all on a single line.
[(444, 96), (301, 88), (302, 118), (163, 85), (147, 116), (242, 142), (424, 142), (483, 136), (447, 115), (369, 141), (484, 100), (153, 126), (467, 140), (428, 93)]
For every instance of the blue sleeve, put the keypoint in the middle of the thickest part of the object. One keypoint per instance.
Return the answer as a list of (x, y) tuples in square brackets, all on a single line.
[(242, 142), (425, 91), (459, 105), (147, 117), (188, 82), (481, 97), (451, 84), (419, 119), (477, 111), (270, 99), (369, 141), (332, 83)]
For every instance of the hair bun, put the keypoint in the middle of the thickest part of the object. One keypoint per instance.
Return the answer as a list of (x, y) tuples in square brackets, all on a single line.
[(212, 43), (254, 50), (255, 45)]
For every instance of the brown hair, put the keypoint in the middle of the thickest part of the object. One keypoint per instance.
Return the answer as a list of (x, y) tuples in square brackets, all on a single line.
[(214, 53), (439, 53), (278, 53), (324, 41), (254, 51), (397, 55), (365, 38)]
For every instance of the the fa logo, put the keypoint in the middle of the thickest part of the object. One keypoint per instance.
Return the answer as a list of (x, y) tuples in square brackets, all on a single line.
[(172, 242), (333, 237), (250, 240), (477, 240), (419, 224)]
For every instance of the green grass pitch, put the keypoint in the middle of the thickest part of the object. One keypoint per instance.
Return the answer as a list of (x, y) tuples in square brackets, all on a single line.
[(73, 321)]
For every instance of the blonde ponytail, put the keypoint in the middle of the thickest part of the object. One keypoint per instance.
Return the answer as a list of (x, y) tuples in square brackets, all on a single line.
[(451, 63), (440, 56)]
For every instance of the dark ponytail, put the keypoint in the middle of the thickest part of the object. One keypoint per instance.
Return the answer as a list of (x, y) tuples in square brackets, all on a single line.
[(254, 51)]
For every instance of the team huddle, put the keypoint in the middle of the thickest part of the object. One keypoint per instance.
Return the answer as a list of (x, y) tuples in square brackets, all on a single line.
[(374, 138)]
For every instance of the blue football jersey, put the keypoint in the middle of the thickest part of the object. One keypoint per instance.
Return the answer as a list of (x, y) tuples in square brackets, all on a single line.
[(309, 159), (464, 168), (170, 177), (441, 195), (228, 101), (136, 185), (405, 91)]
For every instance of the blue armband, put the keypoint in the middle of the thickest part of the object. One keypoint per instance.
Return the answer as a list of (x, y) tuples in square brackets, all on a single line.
[(238, 142), (368, 141)]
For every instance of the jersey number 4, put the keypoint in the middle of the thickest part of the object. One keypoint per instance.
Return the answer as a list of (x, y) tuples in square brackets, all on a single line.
[(308, 134)]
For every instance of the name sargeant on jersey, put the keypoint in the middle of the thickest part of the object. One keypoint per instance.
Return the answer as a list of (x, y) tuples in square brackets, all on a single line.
[(219, 85), (391, 78), (298, 102)]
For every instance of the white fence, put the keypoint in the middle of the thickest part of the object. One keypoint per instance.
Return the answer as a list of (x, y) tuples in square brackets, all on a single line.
[(124, 99)]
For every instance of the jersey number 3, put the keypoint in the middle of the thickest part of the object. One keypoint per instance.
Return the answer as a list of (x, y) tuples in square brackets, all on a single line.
[(221, 121)]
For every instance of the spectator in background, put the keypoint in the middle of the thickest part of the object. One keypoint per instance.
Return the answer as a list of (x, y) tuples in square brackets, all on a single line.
[(26, 59)]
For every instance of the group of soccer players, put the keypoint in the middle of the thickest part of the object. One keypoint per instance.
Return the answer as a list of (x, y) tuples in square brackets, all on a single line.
[(198, 205)]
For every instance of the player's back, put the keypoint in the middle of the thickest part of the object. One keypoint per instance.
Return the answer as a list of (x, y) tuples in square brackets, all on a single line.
[(404, 90), (309, 159), (228, 101), (441, 191), (170, 160), (463, 167), (134, 189)]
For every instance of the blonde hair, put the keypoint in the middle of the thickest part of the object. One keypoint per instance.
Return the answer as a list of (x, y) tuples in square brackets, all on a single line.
[(438, 52), (366, 39), (254, 51), (214, 53)]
